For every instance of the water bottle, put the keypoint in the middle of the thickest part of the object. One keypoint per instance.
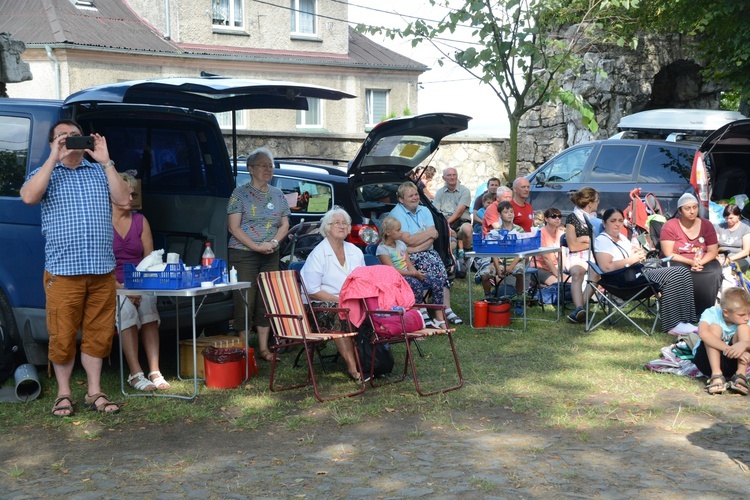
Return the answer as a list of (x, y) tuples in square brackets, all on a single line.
[(233, 275), (224, 275), (208, 256), (698, 255)]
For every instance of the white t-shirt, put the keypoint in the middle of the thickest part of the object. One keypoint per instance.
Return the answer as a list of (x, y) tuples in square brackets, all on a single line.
[(322, 270)]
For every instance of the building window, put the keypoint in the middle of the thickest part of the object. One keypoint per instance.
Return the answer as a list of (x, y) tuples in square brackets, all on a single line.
[(227, 13), (225, 119), (310, 117), (377, 106), (304, 17)]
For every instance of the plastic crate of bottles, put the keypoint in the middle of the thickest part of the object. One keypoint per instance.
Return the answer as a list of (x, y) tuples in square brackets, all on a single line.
[(507, 242), (174, 276)]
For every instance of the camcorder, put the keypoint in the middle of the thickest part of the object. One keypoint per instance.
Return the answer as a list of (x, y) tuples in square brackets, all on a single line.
[(79, 142)]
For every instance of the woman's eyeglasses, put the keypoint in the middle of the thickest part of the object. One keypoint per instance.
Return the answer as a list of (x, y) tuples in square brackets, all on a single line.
[(340, 223)]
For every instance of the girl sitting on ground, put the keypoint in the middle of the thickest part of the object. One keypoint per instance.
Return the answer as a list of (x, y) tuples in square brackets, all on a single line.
[(393, 252)]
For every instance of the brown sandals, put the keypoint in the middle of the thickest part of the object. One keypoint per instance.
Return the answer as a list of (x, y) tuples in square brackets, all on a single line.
[(66, 409), (106, 406)]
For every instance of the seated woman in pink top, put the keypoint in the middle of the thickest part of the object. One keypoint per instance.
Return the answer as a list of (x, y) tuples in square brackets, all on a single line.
[(549, 268), (132, 241), (692, 242)]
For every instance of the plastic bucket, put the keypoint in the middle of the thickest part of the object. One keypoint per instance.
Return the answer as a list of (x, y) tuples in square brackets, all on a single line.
[(225, 368), (498, 314), (480, 313)]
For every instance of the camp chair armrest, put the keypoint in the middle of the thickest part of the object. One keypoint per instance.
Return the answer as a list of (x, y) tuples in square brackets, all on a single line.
[(428, 306), (332, 309), (279, 315)]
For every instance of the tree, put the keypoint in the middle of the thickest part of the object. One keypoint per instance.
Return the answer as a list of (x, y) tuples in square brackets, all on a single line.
[(515, 50), (719, 33)]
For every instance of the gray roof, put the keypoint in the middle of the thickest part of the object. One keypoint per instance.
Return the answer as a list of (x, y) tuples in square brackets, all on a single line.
[(114, 26)]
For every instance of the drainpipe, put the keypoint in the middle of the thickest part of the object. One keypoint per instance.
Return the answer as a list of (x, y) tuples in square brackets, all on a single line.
[(167, 30), (56, 64)]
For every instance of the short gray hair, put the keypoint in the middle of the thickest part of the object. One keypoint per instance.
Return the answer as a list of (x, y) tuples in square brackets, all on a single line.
[(503, 189), (325, 222), (261, 152)]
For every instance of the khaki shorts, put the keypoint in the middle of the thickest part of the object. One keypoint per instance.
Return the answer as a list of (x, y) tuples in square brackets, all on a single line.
[(84, 302)]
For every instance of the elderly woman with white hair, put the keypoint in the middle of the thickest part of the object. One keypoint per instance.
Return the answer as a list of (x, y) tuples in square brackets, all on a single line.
[(258, 218), (324, 272), (692, 242)]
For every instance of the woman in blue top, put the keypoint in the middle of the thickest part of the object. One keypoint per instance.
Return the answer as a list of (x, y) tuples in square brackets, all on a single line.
[(419, 233)]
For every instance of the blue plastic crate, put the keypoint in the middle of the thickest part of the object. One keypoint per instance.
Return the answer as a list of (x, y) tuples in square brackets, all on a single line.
[(174, 277), (510, 243)]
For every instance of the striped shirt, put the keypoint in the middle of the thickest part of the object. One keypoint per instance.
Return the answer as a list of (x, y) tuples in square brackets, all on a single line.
[(77, 221)]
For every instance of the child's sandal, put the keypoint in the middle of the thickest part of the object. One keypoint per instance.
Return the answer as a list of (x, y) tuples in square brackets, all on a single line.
[(738, 384), (716, 385)]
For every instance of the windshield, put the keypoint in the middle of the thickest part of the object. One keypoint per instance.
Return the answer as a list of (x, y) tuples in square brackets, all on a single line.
[(406, 150)]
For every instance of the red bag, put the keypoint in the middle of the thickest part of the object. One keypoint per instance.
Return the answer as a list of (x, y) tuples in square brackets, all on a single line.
[(390, 325)]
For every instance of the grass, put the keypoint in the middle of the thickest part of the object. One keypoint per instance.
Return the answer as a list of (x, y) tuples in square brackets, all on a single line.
[(553, 372)]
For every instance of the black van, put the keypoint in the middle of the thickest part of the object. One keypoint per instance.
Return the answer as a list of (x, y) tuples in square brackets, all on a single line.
[(164, 132)]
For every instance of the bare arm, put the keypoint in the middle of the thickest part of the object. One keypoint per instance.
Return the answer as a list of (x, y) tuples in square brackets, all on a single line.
[(119, 191), (147, 239), (576, 243), (608, 264), (745, 249), (456, 214)]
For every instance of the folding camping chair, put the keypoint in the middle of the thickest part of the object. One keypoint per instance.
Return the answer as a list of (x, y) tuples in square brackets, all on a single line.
[(409, 339), (283, 293), (615, 298)]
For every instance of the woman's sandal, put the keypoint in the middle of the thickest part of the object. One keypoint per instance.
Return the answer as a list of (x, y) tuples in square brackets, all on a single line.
[(140, 383), (104, 407), (158, 380), (716, 387), (738, 384), (453, 317), (58, 407), (437, 324), (265, 355)]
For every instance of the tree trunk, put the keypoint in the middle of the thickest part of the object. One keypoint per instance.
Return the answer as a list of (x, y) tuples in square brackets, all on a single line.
[(513, 153)]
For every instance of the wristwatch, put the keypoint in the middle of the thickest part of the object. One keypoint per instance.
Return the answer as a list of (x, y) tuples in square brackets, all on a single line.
[(110, 163), (275, 243)]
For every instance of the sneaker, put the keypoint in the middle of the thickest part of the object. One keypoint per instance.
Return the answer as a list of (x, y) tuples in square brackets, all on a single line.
[(575, 316), (461, 254), (518, 307)]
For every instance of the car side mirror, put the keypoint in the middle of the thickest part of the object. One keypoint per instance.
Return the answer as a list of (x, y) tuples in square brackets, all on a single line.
[(541, 179)]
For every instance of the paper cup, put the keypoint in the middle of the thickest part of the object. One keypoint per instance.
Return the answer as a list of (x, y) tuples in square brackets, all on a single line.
[(173, 258)]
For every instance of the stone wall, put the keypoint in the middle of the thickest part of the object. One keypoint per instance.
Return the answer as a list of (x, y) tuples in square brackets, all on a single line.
[(476, 158), (617, 82)]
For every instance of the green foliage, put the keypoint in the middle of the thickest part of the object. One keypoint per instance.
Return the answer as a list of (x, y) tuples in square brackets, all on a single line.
[(730, 101), (516, 49)]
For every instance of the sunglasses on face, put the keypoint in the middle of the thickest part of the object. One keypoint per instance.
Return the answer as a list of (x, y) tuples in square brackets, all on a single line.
[(554, 216)]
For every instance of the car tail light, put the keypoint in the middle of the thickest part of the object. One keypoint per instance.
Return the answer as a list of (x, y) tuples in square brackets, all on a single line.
[(699, 180), (363, 235)]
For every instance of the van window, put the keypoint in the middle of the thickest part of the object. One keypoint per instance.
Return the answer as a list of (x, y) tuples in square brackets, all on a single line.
[(14, 151), (305, 196), (568, 167), (167, 159), (666, 164), (614, 163)]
